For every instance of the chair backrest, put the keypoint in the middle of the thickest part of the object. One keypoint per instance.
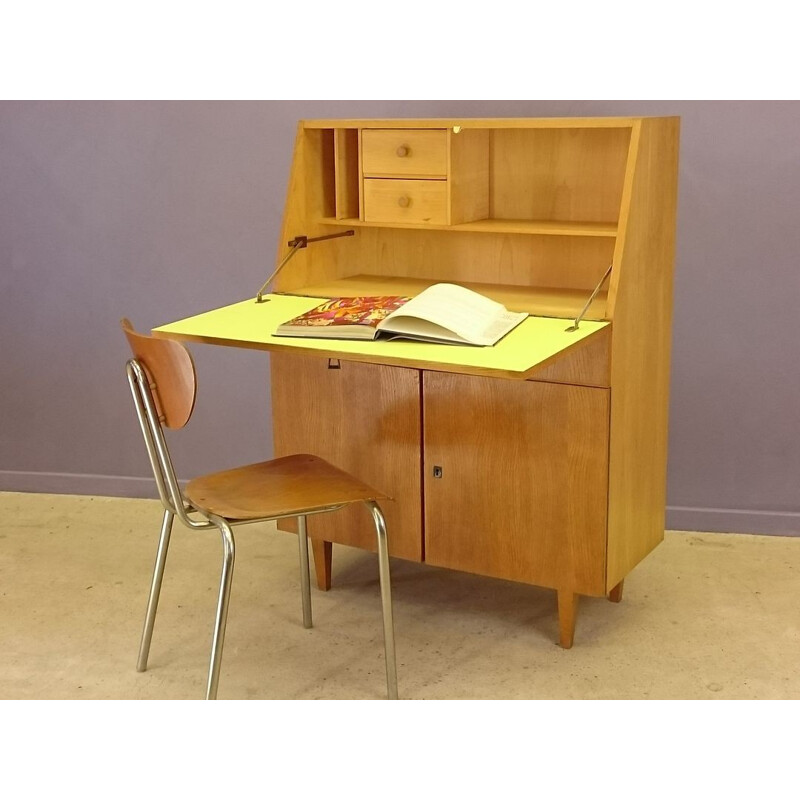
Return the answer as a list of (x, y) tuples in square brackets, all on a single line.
[(162, 380), (170, 372)]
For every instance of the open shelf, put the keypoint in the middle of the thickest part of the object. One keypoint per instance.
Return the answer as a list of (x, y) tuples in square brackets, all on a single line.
[(523, 226), (539, 301)]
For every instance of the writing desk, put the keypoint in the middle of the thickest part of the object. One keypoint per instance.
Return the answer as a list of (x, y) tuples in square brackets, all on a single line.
[(543, 459)]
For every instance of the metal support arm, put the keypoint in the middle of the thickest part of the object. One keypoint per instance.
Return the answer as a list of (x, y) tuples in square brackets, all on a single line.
[(298, 243), (575, 324)]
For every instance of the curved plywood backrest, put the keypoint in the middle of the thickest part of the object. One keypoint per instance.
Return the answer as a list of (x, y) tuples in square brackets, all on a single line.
[(170, 369)]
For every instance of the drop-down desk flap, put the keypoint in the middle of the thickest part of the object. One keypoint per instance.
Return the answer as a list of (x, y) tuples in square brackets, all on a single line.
[(536, 343)]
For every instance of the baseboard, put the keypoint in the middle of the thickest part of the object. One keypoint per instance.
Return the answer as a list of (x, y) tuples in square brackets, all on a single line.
[(733, 520), (70, 483), (679, 518)]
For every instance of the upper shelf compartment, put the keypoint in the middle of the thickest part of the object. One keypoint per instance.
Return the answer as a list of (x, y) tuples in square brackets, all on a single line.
[(541, 181)]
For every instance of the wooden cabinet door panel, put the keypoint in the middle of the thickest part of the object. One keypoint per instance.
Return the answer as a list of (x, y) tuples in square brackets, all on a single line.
[(524, 477), (365, 419)]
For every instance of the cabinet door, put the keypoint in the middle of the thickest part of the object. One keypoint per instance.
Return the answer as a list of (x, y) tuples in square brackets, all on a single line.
[(522, 479), (365, 419)]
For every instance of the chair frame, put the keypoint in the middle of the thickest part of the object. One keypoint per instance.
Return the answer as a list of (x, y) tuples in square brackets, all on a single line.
[(176, 505)]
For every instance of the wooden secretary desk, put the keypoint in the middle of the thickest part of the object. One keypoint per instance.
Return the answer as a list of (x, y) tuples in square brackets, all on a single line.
[(548, 470)]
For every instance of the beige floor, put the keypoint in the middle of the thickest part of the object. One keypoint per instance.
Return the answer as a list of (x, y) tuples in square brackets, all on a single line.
[(704, 616)]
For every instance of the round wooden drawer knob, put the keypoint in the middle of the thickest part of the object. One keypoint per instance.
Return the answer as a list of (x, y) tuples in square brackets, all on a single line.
[(404, 202), (403, 151)]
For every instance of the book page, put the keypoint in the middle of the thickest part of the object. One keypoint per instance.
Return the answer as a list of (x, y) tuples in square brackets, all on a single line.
[(423, 330), (471, 316)]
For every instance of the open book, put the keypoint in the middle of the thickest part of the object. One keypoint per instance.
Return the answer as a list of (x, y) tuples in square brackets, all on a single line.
[(443, 313)]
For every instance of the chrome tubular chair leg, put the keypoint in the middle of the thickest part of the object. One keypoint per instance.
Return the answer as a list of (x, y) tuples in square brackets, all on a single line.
[(305, 581), (155, 591), (222, 606), (386, 599)]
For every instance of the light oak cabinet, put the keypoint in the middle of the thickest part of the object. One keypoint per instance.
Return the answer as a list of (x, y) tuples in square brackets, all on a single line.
[(559, 479)]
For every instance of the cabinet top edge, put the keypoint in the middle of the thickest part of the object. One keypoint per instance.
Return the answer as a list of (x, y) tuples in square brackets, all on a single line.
[(483, 122)]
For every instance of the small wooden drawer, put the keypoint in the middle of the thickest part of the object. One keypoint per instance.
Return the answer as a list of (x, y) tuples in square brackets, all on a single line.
[(405, 201), (404, 153)]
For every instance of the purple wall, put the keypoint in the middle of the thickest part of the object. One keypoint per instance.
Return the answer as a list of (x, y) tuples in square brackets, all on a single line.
[(158, 210)]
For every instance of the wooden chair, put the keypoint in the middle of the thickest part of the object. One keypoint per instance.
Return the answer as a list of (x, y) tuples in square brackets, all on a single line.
[(163, 383)]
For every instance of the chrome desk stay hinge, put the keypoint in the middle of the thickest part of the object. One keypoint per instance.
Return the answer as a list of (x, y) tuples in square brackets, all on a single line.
[(574, 325), (298, 243)]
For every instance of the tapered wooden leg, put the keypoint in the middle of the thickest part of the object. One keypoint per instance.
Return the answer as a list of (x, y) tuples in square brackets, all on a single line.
[(615, 595), (567, 612), (323, 557)]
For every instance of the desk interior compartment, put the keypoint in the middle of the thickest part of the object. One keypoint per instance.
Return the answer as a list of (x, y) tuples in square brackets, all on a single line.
[(345, 144), (573, 175), (332, 173), (547, 275), (320, 168)]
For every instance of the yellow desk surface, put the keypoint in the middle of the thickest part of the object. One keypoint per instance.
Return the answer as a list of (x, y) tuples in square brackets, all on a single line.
[(534, 344)]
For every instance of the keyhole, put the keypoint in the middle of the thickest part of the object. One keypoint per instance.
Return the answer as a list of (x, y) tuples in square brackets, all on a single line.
[(437, 472)]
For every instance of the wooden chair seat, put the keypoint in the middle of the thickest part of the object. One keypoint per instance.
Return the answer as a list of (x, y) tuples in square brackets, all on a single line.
[(283, 486)]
